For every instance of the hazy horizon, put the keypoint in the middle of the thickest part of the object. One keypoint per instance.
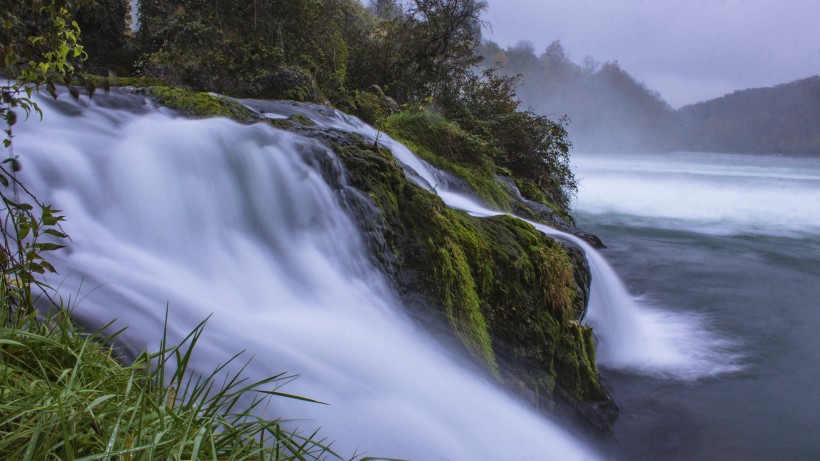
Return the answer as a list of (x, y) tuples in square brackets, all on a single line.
[(688, 51)]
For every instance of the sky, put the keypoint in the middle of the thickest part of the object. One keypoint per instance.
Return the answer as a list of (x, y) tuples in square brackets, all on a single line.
[(687, 50)]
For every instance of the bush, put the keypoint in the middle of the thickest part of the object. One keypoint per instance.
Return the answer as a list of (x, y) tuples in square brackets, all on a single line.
[(529, 145)]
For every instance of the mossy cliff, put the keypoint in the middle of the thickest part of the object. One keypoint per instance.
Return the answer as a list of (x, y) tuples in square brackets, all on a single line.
[(512, 296)]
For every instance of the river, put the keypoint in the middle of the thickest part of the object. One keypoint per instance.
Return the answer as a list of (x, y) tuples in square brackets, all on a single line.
[(732, 241)]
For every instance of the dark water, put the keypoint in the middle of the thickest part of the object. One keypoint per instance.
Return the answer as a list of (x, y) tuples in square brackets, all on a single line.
[(753, 274)]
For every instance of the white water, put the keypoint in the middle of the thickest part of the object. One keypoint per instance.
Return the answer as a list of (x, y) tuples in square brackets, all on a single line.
[(633, 334), (212, 217), (699, 192)]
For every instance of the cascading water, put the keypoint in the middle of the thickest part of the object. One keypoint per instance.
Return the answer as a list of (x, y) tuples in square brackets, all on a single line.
[(212, 217), (633, 335)]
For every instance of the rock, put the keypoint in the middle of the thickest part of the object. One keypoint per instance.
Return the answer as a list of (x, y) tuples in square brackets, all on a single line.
[(291, 83), (512, 296), (372, 105)]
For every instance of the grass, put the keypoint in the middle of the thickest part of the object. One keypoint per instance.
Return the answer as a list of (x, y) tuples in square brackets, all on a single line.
[(445, 145), (64, 395)]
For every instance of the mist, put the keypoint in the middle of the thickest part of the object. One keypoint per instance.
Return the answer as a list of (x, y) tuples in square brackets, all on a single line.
[(607, 109), (689, 51)]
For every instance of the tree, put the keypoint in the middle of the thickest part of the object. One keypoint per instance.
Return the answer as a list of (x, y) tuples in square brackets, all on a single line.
[(450, 31), (385, 9), (530, 145), (106, 36)]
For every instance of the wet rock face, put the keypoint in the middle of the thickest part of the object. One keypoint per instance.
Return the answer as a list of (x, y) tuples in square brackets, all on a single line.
[(510, 296), (523, 206)]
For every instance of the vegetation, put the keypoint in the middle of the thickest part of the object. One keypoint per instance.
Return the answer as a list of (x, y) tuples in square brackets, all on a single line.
[(67, 396), (510, 294), (40, 46), (199, 105)]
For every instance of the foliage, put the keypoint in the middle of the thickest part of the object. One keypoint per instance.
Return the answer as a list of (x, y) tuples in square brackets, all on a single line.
[(238, 47), (40, 43), (40, 46), (66, 396), (409, 49), (40, 39), (419, 48), (27, 236), (529, 145), (107, 36)]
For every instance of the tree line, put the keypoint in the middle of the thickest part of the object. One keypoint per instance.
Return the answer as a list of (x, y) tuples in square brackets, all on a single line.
[(611, 111), (372, 60)]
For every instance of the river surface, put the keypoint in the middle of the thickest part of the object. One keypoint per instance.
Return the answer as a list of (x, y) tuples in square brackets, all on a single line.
[(733, 241)]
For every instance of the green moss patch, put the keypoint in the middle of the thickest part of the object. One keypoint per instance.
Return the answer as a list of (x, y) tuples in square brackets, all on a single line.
[(447, 146), (199, 105), (508, 292)]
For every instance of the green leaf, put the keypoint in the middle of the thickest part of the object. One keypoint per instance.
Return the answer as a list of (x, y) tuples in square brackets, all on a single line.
[(48, 246), (23, 231), (48, 267), (37, 269), (98, 401), (55, 232)]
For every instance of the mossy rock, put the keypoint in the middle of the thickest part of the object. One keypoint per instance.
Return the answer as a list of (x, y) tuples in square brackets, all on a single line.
[(509, 293), (372, 106), (448, 147), (291, 83), (199, 105)]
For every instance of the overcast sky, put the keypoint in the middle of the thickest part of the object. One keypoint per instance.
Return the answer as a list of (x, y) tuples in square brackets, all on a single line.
[(688, 50)]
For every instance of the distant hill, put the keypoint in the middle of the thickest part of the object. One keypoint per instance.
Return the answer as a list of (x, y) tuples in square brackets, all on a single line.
[(611, 111), (782, 119), (608, 109)]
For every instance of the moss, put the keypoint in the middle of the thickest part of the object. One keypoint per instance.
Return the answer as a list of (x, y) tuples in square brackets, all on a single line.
[(368, 106), (199, 105), (447, 146), (530, 191), (507, 291), (112, 80), (460, 299)]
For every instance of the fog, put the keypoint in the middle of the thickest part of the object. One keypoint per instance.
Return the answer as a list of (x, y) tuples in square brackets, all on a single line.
[(689, 51)]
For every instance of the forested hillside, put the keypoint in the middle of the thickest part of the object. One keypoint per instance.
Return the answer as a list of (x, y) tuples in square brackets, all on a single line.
[(784, 119), (609, 110)]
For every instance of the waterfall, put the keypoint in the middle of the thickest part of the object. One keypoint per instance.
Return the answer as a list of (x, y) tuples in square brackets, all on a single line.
[(633, 334), (210, 217)]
